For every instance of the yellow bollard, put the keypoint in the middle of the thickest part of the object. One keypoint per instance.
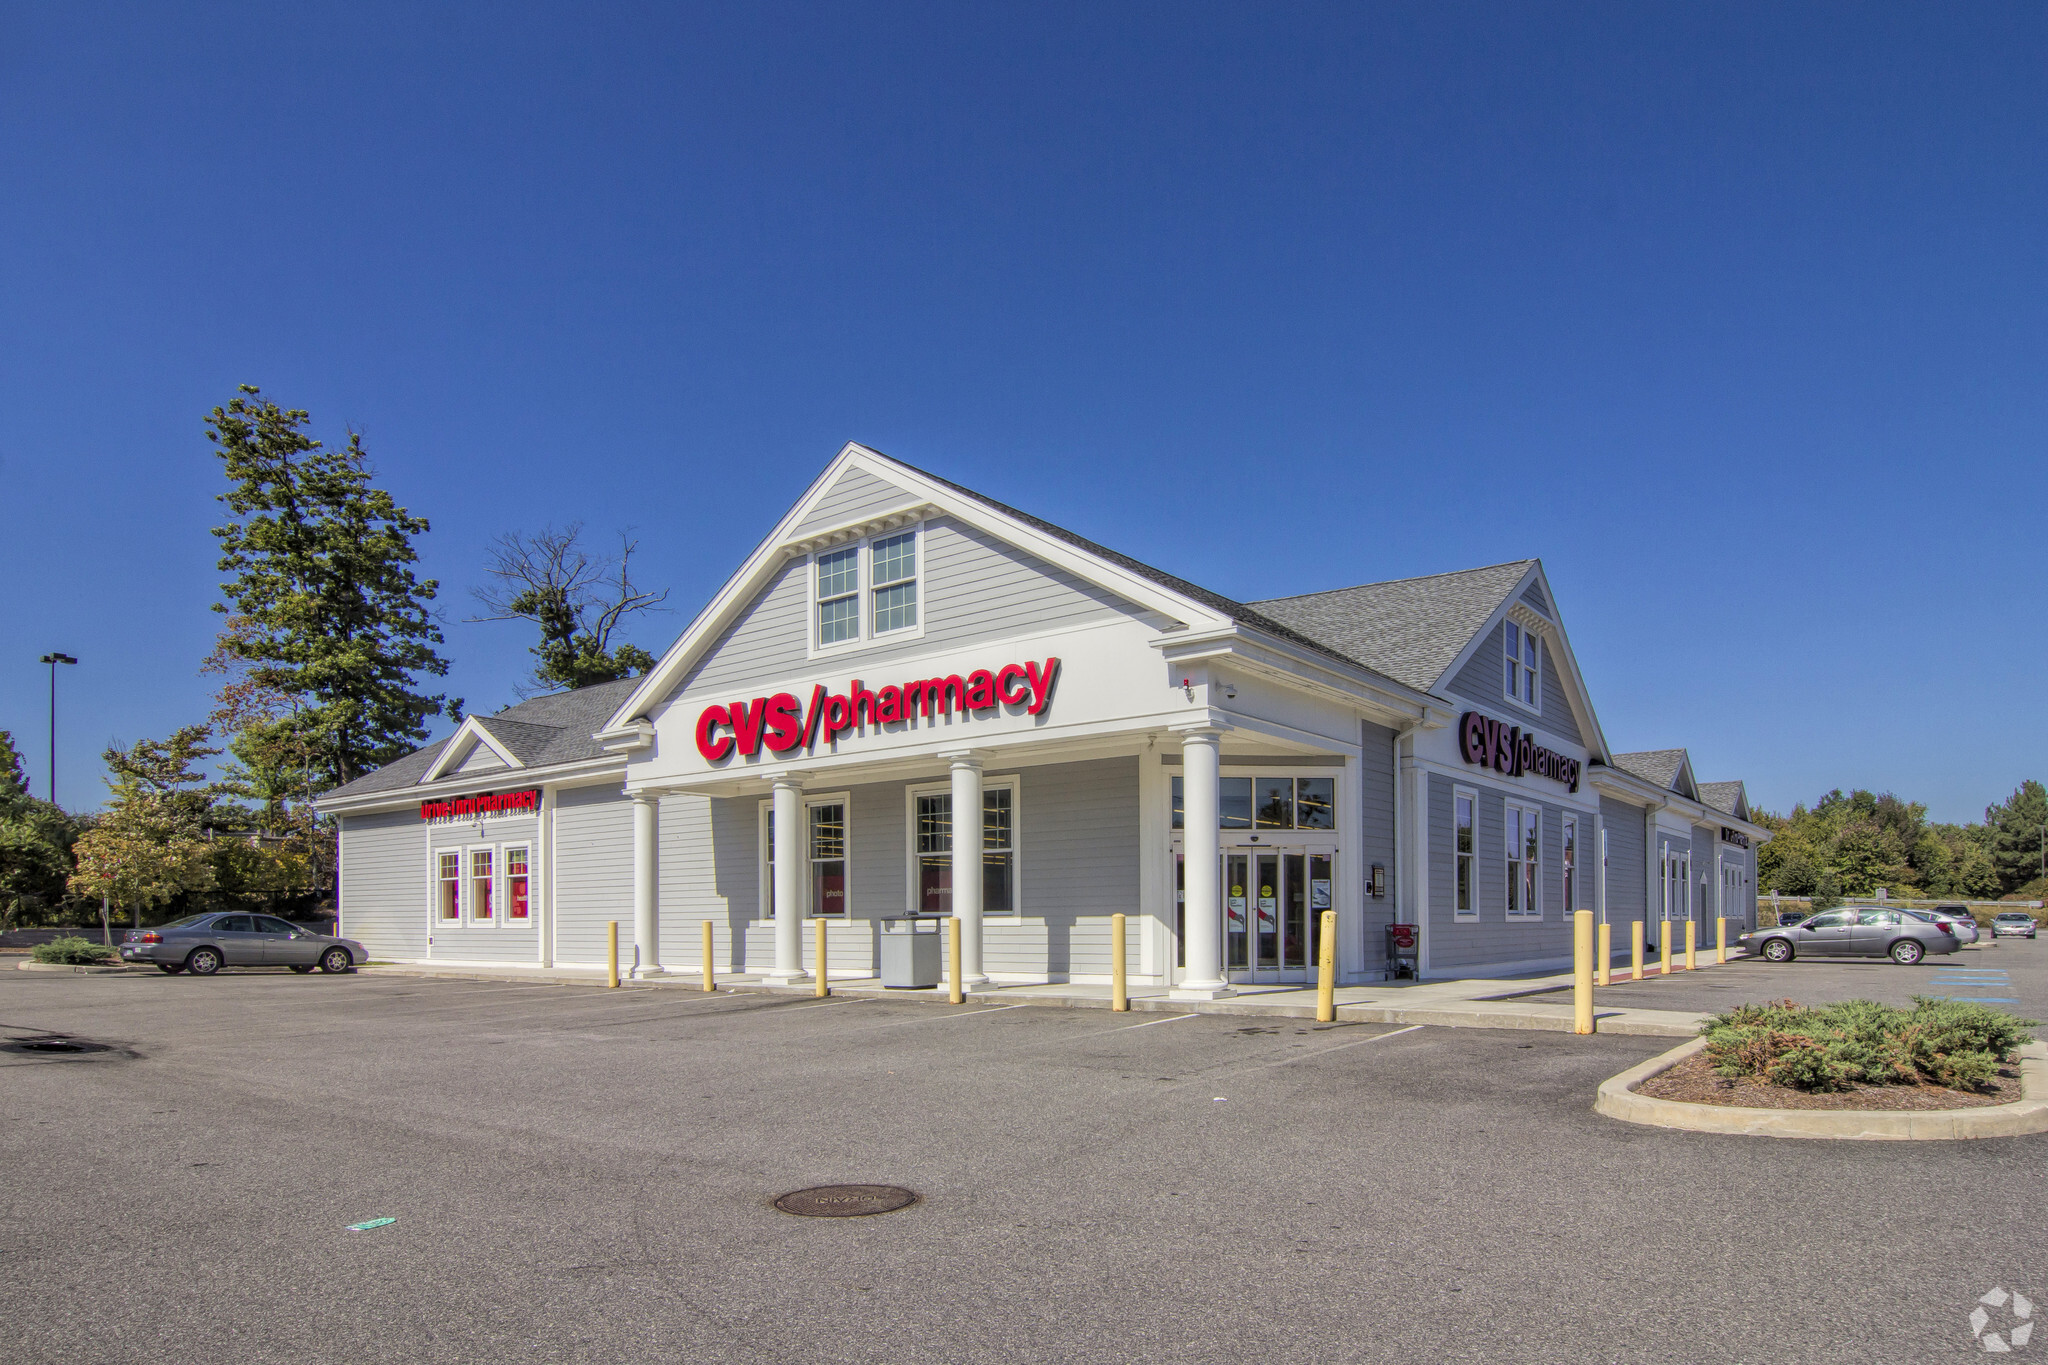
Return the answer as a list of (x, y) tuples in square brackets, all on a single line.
[(611, 941), (823, 989), (1720, 942), (1635, 950), (710, 984), (1119, 997), (957, 996), (1664, 945), (1326, 970), (1582, 971), (1603, 966), (1691, 939)]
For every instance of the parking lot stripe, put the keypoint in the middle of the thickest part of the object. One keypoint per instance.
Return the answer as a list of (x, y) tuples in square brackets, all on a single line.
[(1360, 1042), (1148, 1024)]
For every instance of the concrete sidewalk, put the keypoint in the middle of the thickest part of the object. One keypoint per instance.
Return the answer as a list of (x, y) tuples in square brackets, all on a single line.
[(1530, 1002)]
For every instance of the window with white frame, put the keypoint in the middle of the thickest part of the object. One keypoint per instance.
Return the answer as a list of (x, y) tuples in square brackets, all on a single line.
[(894, 576), (828, 858), (1569, 856), (839, 595), (932, 849), (1524, 840), (448, 886), (518, 886), (482, 882), (1464, 805), (1524, 665)]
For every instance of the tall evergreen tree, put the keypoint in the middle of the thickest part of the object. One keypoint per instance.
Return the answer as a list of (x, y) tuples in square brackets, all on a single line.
[(35, 843), (324, 610), (2016, 834)]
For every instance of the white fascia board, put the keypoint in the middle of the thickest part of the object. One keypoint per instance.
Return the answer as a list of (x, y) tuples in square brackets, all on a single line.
[(558, 774), (782, 543), (457, 751), (1288, 663), (1568, 670)]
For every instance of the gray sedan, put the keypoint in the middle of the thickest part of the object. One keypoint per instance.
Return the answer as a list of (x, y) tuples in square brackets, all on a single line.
[(1856, 931), (203, 944)]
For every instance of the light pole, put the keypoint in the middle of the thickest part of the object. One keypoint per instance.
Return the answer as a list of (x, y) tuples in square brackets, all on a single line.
[(53, 659)]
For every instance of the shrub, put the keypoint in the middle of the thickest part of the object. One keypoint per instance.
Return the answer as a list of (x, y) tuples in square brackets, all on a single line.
[(73, 950), (1953, 1043)]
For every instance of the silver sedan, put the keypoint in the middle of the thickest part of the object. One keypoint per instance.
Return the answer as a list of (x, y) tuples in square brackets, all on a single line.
[(1856, 931), (203, 944)]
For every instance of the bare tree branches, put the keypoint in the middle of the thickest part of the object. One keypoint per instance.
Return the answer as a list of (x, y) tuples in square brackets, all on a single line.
[(578, 598)]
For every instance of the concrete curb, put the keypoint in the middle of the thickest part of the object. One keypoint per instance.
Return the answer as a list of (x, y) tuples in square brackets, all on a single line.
[(69, 967), (1617, 1099)]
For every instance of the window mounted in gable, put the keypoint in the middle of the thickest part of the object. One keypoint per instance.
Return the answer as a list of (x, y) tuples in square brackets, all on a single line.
[(894, 562), (839, 595), (1524, 666)]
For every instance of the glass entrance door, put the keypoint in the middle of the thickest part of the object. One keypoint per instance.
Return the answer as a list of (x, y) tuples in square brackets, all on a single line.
[(1273, 899)]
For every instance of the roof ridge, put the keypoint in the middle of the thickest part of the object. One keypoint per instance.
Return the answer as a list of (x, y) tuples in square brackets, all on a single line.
[(1390, 582)]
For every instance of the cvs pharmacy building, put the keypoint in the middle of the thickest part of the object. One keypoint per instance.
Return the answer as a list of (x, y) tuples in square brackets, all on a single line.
[(914, 701)]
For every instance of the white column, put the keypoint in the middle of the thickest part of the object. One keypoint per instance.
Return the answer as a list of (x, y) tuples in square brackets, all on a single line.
[(1199, 760), (789, 886), (646, 883), (967, 873)]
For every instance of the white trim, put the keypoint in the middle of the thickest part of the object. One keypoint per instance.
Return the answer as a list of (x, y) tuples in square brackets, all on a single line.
[(1469, 915), (1518, 672), (455, 753), (1014, 784)]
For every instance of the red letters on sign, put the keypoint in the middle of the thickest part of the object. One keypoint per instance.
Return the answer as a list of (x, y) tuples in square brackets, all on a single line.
[(780, 724)]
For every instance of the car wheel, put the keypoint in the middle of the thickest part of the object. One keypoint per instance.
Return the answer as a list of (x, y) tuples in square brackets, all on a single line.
[(1777, 950), (335, 960), (1907, 951), (170, 968), (300, 968), (203, 961)]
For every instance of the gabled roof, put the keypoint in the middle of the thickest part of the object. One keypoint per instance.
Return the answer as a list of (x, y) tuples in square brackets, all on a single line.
[(541, 732), (1410, 629), (1731, 797), (1670, 769)]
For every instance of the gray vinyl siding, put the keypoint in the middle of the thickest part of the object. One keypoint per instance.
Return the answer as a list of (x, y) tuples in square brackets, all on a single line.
[(497, 941), (1625, 872), (975, 587), (480, 760), (1376, 836), (593, 873), (1533, 595), (1482, 680), (856, 496), (1078, 864), (1491, 939), (383, 883), (1558, 717)]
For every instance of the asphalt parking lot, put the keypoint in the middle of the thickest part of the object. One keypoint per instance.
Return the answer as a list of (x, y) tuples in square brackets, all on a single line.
[(2011, 974), (581, 1175)]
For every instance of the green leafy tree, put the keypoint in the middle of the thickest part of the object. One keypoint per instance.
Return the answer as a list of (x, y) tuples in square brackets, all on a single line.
[(1827, 892), (323, 607), (35, 844), (577, 598), (2014, 830)]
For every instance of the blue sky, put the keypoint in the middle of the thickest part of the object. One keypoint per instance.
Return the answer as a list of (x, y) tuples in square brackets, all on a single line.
[(1732, 314)]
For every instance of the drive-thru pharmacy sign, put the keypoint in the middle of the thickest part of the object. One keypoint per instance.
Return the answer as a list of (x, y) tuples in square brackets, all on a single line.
[(781, 724), (486, 803), (1510, 749)]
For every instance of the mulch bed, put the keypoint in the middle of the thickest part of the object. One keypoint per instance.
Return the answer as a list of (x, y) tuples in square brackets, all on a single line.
[(1693, 1081)]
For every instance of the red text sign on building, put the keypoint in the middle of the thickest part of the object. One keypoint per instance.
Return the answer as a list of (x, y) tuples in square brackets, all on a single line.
[(781, 724), (1509, 749), (486, 803)]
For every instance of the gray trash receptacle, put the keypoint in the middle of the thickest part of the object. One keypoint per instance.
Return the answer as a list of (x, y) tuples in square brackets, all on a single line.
[(911, 950)]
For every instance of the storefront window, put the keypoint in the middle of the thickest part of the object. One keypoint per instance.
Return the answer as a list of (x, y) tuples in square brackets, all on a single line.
[(516, 882), (934, 852), (1315, 803), (1570, 854), (1234, 803), (1180, 803), (828, 860), (1275, 797), (480, 883), (451, 886), (1267, 803), (997, 851), (935, 855), (1462, 817), (1524, 841)]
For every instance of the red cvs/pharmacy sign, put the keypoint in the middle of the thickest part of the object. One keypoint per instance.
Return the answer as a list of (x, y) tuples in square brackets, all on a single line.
[(781, 724)]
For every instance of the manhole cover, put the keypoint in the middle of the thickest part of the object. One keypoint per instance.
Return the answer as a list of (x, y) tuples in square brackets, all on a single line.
[(845, 1201)]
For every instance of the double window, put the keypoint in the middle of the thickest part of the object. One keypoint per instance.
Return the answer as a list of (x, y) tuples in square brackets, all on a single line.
[(1524, 666), (1524, 862), (866, 589), (1570, 857), (1267, 803), (824, 860), (492, 884), (932, 850)]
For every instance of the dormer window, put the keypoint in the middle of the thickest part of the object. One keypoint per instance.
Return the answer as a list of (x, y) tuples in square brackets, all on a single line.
[(1524, 666), (867, 589)]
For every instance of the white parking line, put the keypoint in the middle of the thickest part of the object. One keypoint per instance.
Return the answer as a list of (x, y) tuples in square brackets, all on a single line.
[(940, 1018), (1147, 1024), (798, 1009), (1310, 1056)]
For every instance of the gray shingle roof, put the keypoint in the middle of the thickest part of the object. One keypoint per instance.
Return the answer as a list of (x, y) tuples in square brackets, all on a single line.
[(541, 732), (1410, 629), (1723, 796), (1653, 765)]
